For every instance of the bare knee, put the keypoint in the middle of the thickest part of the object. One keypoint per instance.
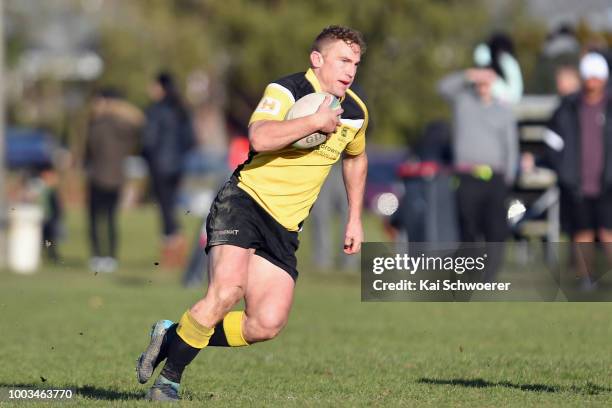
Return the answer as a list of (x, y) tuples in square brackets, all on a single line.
[(226, 297), (264, 327), (218, 301)]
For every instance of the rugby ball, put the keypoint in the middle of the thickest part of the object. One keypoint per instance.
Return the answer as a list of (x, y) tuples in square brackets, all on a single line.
[(307, 105)]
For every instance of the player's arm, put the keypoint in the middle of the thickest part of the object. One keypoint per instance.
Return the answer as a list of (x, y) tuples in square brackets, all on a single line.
[(269, 135), (354, 172)]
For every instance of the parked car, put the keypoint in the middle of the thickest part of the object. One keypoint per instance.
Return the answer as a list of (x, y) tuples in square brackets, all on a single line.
[(29, 148)]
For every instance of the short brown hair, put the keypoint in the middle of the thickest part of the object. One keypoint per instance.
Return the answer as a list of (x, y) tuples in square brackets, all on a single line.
[(335, 32)]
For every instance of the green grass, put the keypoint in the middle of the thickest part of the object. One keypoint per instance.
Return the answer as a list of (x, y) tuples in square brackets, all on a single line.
[(84, 331)]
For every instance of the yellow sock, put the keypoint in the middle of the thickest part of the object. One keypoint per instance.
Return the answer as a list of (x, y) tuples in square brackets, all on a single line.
[(192, 332), (232, 326)]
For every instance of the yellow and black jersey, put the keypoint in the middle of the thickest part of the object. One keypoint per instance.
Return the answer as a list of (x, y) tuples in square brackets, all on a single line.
[(286, 182)]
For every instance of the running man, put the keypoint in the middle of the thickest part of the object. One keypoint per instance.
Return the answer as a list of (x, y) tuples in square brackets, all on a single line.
[(254, 221)]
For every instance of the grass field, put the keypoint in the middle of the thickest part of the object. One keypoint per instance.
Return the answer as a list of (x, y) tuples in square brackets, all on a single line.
[(66, 327)]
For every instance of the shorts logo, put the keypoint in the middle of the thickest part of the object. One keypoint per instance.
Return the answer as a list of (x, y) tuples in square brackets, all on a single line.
[(226, 232), (269, 105), (222, 235)]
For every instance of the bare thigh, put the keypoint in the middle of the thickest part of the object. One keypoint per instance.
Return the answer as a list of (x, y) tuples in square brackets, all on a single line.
[(228, 280), (268, 299)]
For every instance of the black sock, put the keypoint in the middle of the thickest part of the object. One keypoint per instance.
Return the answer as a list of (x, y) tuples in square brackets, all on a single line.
[(228, 332), (218, 339), (179, 355)]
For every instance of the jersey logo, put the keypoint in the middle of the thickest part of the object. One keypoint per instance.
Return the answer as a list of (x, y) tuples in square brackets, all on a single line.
[(269, 105), (344, 132)]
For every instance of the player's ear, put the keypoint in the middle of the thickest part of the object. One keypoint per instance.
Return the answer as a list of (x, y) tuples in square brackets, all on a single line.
[(316, 59)]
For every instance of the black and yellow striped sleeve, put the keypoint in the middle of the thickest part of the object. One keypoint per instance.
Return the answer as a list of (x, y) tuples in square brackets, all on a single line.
[(274, 104), (357, 145)]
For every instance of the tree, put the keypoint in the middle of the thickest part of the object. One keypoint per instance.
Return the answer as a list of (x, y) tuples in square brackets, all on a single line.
[(246, 43), (411, 44)]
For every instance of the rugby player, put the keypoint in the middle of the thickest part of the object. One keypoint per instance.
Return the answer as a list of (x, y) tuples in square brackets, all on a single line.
[(254, 221)]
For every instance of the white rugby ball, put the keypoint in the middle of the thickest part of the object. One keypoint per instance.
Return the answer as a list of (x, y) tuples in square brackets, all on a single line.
[(307, 105)]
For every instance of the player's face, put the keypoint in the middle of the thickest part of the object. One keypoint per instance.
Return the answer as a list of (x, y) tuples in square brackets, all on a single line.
[(336, 66)]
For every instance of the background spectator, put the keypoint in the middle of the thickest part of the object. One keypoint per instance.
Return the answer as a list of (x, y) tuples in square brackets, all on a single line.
[(485, 150), (53, 213), (567, 80), (498, 54), (583, 126), (168, 136), (560, 48), (113, 134), (427, 210)]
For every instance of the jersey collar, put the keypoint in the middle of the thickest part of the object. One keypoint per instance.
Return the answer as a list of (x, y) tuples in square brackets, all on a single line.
[(314, 81)]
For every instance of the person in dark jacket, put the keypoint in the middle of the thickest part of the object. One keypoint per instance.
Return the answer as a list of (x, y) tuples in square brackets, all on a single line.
[(168, 136), (113, 133), (580, 137)]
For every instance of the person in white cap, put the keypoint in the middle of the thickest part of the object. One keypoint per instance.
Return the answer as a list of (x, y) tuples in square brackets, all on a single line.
[(583, 162)]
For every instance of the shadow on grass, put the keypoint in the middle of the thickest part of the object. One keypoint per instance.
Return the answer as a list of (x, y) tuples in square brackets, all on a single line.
[(588, 388), (89, 391), (86, 391)]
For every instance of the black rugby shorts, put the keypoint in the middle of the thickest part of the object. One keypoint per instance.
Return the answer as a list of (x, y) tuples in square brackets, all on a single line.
[(236, 219)]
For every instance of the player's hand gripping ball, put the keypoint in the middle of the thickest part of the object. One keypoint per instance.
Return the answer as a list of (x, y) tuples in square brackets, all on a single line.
[(307, 105)]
